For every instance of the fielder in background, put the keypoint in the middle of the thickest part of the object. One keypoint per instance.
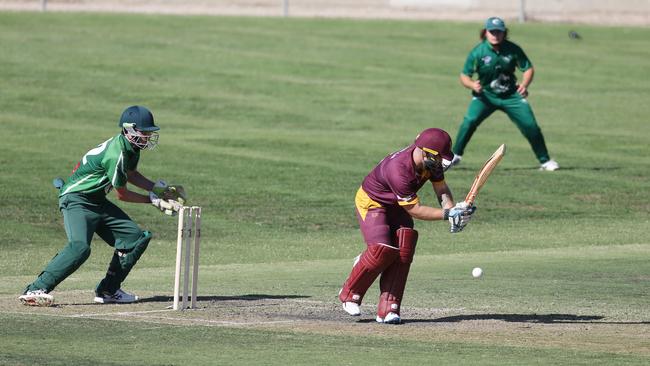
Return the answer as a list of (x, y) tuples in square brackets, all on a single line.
[(386, 204), (86, 210), (494, 59)]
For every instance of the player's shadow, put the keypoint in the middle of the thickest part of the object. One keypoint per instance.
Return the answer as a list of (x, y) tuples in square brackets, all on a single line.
[(248, 297), (526, 318), (169, 299)]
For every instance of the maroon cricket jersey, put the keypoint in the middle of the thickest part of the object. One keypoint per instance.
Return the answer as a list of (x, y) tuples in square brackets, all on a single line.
[(395, 180)]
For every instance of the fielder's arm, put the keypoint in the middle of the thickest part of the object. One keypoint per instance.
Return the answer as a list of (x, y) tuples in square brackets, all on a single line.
[(138, 180), (467, 82), (526, 79), (124, 194)]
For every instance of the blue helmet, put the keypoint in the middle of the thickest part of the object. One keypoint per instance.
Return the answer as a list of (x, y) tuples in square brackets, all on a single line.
[(139, 117), (138, 127)]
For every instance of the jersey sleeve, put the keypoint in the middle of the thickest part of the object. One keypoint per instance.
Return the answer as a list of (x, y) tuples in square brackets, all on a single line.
[(115, 166), (132, 164), (470, 64), (402, 188), (523, 63)]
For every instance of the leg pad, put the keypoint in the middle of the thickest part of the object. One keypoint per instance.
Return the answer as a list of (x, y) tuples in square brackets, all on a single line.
[(371, 263), (393, 279), (121, 265)]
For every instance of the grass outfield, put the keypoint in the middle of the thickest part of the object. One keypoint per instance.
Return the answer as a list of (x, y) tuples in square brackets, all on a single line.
[(271, 124)]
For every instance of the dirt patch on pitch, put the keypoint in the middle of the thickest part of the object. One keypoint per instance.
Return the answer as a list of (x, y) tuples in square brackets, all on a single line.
[(579, 332), (300, 314)]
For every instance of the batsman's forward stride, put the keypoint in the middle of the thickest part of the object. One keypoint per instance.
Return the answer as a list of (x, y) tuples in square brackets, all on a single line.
[(86, 210), (386, 204)]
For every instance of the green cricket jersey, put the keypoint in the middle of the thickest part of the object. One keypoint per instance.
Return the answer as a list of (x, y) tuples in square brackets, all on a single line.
[(103, 167), (496, 70)]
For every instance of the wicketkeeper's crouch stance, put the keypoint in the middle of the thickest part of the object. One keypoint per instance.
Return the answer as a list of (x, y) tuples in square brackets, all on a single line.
[(86, 211), (386, 204)]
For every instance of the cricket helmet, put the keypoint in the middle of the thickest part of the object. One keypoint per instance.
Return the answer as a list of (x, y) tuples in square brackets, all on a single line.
[(138, 127), (495, 23), (140, 117), (435, 142)]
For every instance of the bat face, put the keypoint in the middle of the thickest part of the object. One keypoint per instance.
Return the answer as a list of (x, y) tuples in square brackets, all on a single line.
[(484, 173)]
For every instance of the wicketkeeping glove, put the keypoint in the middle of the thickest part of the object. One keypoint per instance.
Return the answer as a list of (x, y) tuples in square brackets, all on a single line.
[(459, 216), (169, 207), (170, 192), (177, 193), (159, 188)]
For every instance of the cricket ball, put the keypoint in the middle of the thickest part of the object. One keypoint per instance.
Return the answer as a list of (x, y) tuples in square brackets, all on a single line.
[(477, 272)]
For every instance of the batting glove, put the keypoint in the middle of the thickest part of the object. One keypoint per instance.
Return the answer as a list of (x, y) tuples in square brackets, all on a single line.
[(459, 216)]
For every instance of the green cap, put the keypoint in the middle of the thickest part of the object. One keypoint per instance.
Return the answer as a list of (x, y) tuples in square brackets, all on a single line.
[(495, 23), (140, 117)]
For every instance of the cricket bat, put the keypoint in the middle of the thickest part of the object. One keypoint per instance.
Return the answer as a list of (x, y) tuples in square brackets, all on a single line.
[(484, 173)]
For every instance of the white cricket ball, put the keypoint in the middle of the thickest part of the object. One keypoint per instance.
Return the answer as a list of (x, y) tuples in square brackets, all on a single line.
[(477, 272)]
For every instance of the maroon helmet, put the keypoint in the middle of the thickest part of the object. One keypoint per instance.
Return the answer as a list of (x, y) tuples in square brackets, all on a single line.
[(435, 141)]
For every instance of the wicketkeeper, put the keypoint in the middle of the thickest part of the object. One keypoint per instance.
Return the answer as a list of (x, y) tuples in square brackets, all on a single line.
[(86, 210), (386, 204)]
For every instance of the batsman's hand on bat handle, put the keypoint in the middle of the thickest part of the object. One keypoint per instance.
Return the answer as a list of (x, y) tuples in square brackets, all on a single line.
[(459, 216), (465, 206)]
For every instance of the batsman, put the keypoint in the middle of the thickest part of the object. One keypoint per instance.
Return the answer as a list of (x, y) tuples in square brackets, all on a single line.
[(386, 204), (86, 210)]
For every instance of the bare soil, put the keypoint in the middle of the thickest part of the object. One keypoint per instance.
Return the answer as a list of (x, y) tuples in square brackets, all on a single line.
[(299, 314), (369, 9)]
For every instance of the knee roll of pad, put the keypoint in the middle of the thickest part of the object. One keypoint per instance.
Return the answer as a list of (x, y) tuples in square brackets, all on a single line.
[(407, 239)]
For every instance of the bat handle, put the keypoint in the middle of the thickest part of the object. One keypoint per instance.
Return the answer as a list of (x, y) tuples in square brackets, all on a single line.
[(470, 199)]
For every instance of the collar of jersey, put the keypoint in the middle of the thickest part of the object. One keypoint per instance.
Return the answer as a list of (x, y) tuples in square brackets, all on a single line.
[(126, 144)]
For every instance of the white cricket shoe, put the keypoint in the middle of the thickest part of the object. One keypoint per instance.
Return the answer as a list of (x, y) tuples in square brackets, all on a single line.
[(36, 298), (455, 161), (550, 166), (391, 318), (351, 308), (119, 297)]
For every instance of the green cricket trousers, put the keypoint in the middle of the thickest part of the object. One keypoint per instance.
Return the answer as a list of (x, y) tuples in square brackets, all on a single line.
[(517, 109), (84, 215)]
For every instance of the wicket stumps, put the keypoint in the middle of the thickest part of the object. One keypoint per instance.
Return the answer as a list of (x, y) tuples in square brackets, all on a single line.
[(189, 231)]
